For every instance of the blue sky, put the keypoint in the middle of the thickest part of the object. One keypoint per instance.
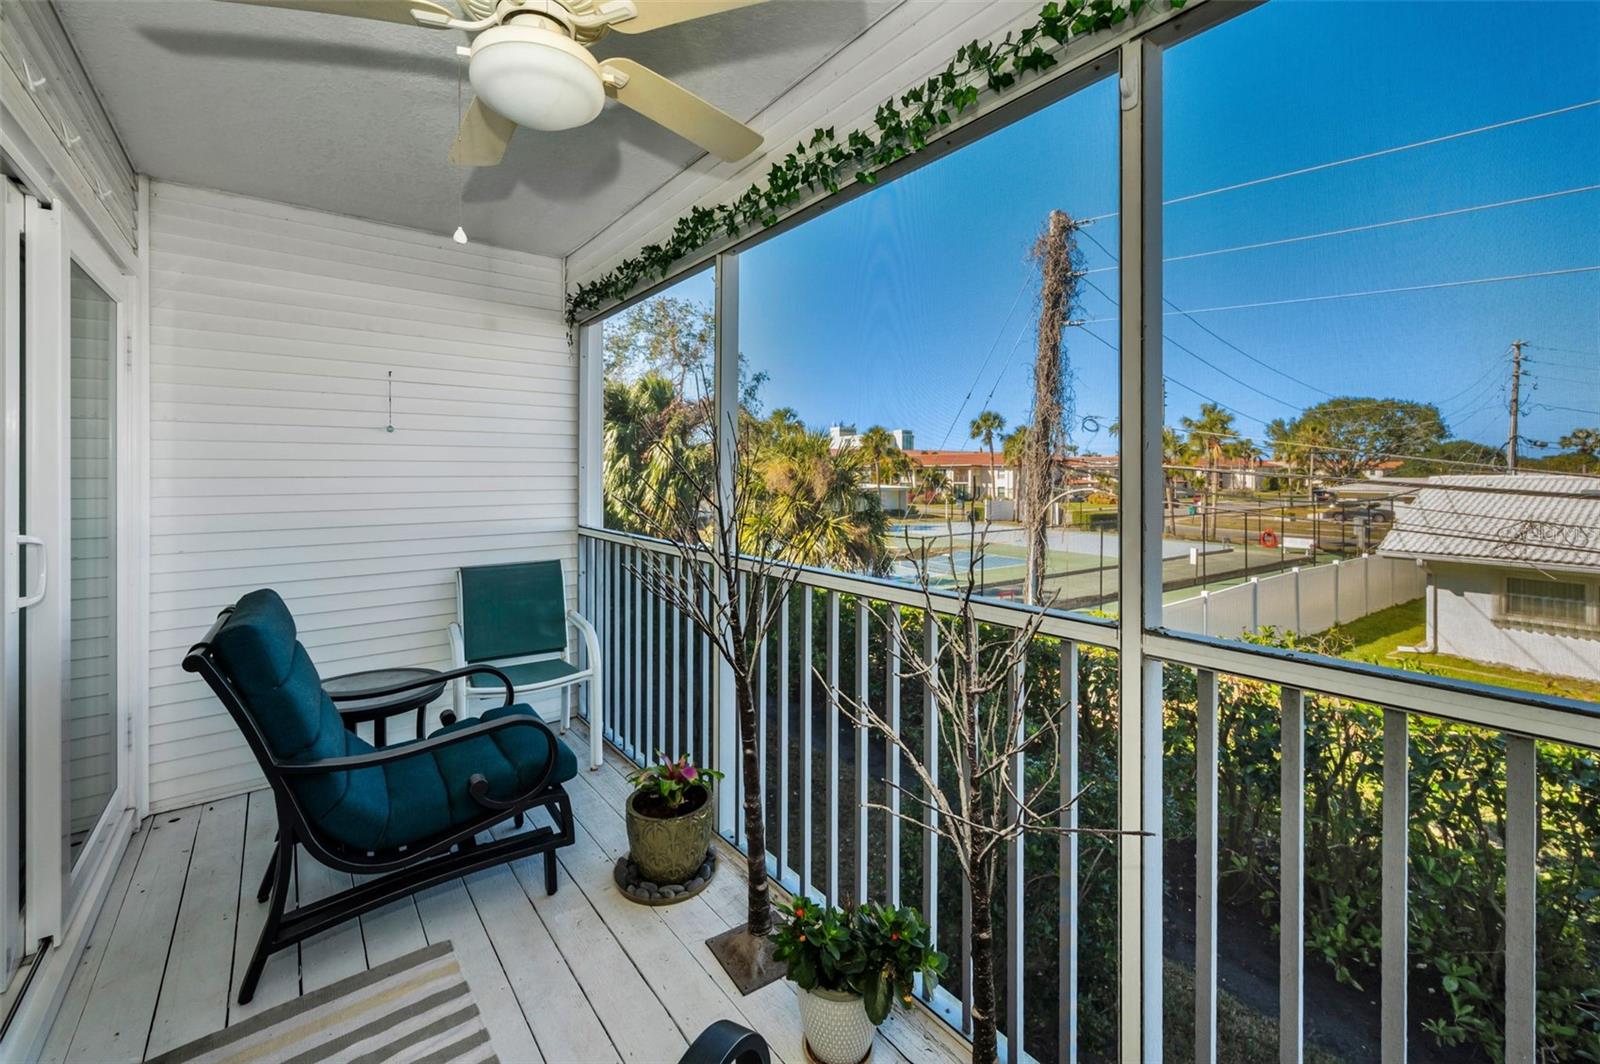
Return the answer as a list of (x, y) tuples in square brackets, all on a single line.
[(914, 306)]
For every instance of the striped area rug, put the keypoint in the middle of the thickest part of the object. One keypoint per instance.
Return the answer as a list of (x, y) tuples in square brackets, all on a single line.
[(415, 1008)]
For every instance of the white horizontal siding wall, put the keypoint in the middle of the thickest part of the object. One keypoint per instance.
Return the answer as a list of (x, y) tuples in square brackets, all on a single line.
[(272, 336)]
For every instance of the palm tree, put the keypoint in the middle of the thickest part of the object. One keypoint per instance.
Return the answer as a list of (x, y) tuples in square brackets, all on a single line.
[(985, 427), (1012, 447), (650, 435), (814, 496), (1212, 435), (875, 445)]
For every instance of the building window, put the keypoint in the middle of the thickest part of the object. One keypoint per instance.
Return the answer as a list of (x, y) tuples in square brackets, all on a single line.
[(1546, 601)]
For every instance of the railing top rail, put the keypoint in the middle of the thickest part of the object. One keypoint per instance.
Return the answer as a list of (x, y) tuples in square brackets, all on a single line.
[(1527, 713), (1094, 631)]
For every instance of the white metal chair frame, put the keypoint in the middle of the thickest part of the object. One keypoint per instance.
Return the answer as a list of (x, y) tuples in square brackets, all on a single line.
[(465, 699)]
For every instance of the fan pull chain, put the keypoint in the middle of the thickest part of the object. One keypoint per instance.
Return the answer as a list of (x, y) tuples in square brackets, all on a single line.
[(460, 235)]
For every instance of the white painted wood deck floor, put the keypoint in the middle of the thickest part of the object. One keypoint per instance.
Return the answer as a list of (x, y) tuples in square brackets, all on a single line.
[(583, 975)]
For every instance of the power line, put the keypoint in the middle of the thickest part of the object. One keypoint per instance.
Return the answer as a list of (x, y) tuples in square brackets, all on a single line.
[(1381, 225), (1220, 339), (1379, 291), (1566, 351), (1366, 156), (1382, 152), (979, 375)]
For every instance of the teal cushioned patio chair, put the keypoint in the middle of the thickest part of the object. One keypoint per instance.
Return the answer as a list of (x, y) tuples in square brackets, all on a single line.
[(514, 617), (403, 817)]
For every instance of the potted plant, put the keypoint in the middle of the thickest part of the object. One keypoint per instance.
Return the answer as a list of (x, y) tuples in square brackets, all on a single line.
[(670, 819), (850, 965)]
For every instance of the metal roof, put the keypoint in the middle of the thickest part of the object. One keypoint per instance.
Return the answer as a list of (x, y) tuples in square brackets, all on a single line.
[(1534, 520)]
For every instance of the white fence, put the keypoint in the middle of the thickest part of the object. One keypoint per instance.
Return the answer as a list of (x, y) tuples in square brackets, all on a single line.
[(1301, 600)]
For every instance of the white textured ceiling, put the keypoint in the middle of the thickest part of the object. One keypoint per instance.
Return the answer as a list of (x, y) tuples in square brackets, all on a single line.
[(356, 117)]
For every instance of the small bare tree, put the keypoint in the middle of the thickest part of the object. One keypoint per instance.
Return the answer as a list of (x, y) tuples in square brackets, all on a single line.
[(980, 692), (733, 540)]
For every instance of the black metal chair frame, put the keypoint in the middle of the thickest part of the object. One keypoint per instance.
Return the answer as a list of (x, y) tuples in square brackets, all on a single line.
[(403, 871)]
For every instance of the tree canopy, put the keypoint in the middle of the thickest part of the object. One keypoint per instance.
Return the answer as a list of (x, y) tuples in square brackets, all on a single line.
[(1346, 436)]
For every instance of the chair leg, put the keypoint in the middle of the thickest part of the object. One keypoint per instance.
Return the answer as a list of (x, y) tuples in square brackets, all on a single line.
[(549, 871), (596, 724), (282, 863), (566, 708), (267, 877)]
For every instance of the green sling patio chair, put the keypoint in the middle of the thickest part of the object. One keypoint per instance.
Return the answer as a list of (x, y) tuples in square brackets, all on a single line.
[(402, 817), (514, 617)]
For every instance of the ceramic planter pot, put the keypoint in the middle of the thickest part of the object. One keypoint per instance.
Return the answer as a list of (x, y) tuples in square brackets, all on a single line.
[(670, 849), (836, 1026)]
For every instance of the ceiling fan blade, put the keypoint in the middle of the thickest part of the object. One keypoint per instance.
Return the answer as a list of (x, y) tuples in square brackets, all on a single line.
[(483, 136), (381, 10), (675, 107), (653, 14)]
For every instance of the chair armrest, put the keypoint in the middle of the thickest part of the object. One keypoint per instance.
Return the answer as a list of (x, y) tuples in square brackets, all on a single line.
[(428, 681), (591, 639), (390, 754), (726, 1042)]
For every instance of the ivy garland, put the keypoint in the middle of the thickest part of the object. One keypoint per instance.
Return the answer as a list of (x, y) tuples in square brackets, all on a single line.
[(903, 127)]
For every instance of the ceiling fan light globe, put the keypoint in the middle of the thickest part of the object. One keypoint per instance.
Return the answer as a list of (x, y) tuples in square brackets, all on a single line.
[(536, 77)]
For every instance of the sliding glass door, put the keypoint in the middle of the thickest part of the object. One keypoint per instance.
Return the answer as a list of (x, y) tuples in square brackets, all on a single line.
[(65, 747)]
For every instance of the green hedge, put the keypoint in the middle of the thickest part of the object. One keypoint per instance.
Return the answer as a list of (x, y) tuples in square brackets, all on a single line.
[(1457, 806)]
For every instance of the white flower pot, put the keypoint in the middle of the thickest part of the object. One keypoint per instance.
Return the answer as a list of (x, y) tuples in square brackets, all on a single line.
[(836, 1026)]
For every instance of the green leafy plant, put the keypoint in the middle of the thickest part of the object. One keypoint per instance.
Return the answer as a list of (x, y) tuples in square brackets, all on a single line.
[(671, 781), (875, 951), (903, 125)]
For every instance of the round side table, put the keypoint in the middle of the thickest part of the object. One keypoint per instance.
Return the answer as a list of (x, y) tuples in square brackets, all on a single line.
[(379, 708)]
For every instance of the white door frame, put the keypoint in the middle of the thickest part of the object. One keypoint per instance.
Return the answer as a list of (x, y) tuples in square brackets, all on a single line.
[(56, 241), (12, 943)]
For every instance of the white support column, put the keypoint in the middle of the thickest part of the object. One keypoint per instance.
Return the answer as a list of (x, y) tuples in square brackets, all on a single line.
[(1292, 879), (1139, 561), (1205, 875), (727, 415), (1067, 902), (1396, 865), (1522, 829), (591, 423)]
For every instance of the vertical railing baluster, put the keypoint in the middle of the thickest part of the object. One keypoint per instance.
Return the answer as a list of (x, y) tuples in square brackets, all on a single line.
[(613, 624), (807, 648), (655, 728), (1205, 871), (1017, 692), (761, 718), (691, 643), (1522, 832), (783, 730), (930, 754), (634, 689), (674, 742), (707, 686), (833, 748), (743, 589), (863, 696), (1067, 901), (1291, 893), (891, 753), (1396, 842)]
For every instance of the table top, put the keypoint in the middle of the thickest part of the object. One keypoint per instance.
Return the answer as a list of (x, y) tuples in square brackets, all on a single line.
[(410, 698)]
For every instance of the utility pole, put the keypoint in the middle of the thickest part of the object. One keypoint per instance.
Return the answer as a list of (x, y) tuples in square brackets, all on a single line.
[(1516, 402)]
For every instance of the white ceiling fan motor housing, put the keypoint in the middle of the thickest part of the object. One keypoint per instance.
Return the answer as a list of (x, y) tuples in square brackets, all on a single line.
[(536, 76)]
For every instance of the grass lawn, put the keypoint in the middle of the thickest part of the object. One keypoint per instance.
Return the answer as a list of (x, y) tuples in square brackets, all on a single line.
[(1377, 635)]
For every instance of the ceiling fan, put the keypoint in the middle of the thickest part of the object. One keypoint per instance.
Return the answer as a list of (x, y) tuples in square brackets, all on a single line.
[(529, 64)]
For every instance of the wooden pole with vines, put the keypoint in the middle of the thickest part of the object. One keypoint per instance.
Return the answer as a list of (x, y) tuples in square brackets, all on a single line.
[(1057, 254)]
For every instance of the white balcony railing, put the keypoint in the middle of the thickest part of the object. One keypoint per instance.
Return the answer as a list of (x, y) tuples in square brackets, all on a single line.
[(659, 679)]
